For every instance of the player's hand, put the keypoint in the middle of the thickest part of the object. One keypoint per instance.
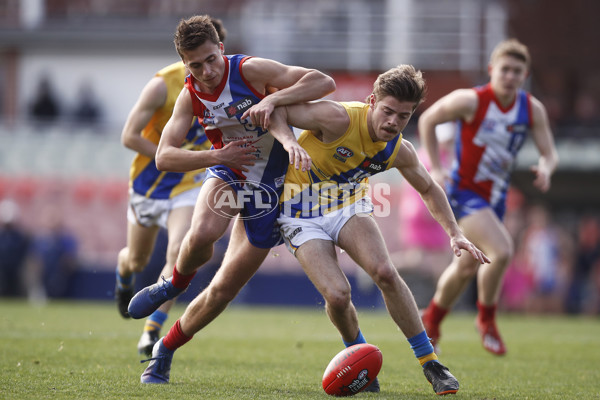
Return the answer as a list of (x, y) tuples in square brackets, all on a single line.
[(260, 113), (462, 243), (238, 155), (299, 157), (542, 178)]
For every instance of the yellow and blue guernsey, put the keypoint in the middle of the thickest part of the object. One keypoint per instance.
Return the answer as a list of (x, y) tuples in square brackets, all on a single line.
[(144, 178), (340, 169)]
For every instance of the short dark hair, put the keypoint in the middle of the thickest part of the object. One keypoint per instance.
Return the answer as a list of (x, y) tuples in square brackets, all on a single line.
[(193, 32), (403, 82)]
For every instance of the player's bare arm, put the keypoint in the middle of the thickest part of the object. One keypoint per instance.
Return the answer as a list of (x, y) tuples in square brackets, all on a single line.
[(544, 141), (152, 97), (171, 157), (459, 104), (415, 173), (292, 85), (327, 120)]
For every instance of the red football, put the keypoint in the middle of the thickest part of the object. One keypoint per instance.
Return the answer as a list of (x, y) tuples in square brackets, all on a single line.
[(352, 370)]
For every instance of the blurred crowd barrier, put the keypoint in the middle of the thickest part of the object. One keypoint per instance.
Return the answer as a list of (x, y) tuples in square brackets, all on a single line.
[(93, 209), (63, 203)]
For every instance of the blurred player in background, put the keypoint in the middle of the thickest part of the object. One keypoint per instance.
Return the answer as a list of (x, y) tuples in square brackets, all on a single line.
[(494, 120), (248, 165), (329, 205), (157, 199)]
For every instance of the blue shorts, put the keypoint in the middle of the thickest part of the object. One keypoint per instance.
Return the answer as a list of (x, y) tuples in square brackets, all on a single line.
[(465, 202), (260, 207)]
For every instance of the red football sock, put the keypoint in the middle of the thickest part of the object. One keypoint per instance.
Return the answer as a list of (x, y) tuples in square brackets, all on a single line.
[(434, 313), (176, 338), (486, 313), (181, 281)]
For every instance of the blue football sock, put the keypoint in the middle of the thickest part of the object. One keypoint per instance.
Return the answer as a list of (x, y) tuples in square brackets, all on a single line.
[(422, 348), (155, 321), (359, 339), (124, 283)]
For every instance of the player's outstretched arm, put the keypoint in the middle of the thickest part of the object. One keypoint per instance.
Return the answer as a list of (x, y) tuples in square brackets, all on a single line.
[(327, 119), (435, 199), (291, 85), (544, 141)]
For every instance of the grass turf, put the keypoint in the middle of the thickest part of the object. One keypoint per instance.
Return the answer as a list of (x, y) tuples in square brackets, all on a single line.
[(80, 350)]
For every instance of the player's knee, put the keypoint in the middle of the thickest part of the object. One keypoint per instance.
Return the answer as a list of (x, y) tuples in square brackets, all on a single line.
[(199, 239), (467, 270), (338, 299), (384, 275), (502, 253), (137, 263), (221, 295)]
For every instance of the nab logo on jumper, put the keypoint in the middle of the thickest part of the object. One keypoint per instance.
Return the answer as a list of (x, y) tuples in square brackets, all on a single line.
[(239, 106), (372, 166)]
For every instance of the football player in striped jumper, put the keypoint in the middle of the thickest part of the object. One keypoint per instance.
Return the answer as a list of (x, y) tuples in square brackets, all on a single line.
[(328, 205), (156, 199), (234, 96), (494, 121)]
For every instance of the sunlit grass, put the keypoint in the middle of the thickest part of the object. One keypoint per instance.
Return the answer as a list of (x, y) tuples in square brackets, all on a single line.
[(78, 350)]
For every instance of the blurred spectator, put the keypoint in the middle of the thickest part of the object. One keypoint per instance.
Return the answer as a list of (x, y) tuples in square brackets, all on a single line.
[(53, 258), (14, 243), (542, 254), (584, 120), (87, 111), (587, 261), (45, 107), (586, 109), (555, 108), (518, 283)]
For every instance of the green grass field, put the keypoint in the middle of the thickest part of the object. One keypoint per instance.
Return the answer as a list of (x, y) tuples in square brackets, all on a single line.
[(80, 350)]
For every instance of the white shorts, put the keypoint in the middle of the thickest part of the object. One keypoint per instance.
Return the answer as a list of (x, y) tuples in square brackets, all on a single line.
[(297, 231), (154, 212)]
